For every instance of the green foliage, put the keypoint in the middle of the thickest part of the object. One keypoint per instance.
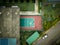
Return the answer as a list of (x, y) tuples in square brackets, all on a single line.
[(50, 17), (26, 6)]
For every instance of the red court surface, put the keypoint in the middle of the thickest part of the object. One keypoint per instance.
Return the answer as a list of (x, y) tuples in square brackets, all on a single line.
[(37, 23)]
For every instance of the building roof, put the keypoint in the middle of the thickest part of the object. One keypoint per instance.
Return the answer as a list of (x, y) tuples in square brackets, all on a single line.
[(32, 38)]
